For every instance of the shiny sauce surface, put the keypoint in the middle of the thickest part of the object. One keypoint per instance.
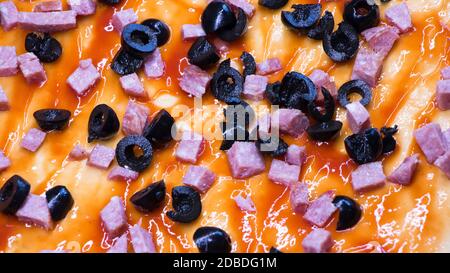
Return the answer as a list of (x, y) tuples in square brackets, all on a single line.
[(399, 219)]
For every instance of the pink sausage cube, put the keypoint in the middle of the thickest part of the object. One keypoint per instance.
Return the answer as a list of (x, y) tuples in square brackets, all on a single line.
[(120, 245), (245, 160), (32, 69), (78, 153), (35, 211), (443, 163), (445, 73), (132, 85), (4, 162), (82, 7), (4, 102), (295, 155), (190, 147), (282, 173), (47, 6), (299, 198), (8, 60), (254, 87), (269, 66), (154, 65), (290, 121), (446, 135), (443, 94), (101, 157), (9, 15), (84, 77), (431, 141), (190, 31), (245, 204), (358, 117), (404, 173), (247, 7), (368, 66), (199, 177), (381, 39), (122, 18), (33, 139), (122, 174), (321, 210), (141, 240), (194, 81), (317, 241), (135, 119), (113, 217), (368, 177), (321, 79), (48, 21), (399, 17)]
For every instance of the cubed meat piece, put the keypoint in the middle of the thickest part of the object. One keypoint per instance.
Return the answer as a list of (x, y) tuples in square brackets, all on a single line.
[(48, 21), (247, 7), (194, 81), (141, 240), (255, 87), (190, 31), (443, 163), (282, 173), (268, 67), (368, 66), (135, 119), (321, 210), (190, 147), (199, 177), (290, 121), (321, 79), (8, 60), (221, 46), (443, 95), (47, 6), (245, 204), (122, 18), (101, 157), (381, 39), (33, 140), (4, 102), (399, 16), (445, 73), (84, 77), (404, 173), (35, 211), (78, 153), (299, 198), (120, 245), (82, 7), (358, 117), (295, 155), (154, 65), (132, 85), (4, 162), (245, 160), (9, 15), (431, 141), (122, 174), (317, 241), (447, 137), (264, 125), (113, 217), (368, 177), (32, 69)]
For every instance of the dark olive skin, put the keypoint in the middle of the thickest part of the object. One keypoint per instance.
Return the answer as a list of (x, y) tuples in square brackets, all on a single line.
[(342, 44), (324, 26), (272, 93), (186, 204), (212, 240), (160, 29), (350, 212), (354, 86), (236, 32), (13, 194), (159, 130), (324, 131), (139, 39), (302, 18), (296, 91), (52, 119), (59, 201), (44, 46), (150, 198), (217, 16), (249, 64), (203, 54), (125, 62), (103, 123), (239, 115), (126, 156), (274, 250), (232, 134), (275, 148), (389, 142), (227, 84), (364, 147), (273, 4), (329, 108), (362, 14)]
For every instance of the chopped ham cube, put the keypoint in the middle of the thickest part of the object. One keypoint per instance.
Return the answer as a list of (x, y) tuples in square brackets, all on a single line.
[(32, 69), (404, 173), (82, 7), (113, 217), (290, 121), (321, 210), (190, 32), (120, 245), (247, 7), (132, 85), (47, 6), (122, 18), (194, 81), (245, 160), (443, 163), (368, 66), (135, 119), (48, 21), (445, 73), (35, 211), (443, 95), (154, 65), (9, 15), (321, 79), (255, 87), (4, 162), (431, 141), (357, 116), (199, 177), (381, 39), (299, 198), (264, 125), (4, 102), (282, 173), (317, 241), (78, 153), (368, 177), (33, 140), (84, 77), (141, 240), (295, 155), (122, 174), (101, 157), (269, 66), (245, 204), (447, 137), (190, 147), (8, 60), (399, 16)]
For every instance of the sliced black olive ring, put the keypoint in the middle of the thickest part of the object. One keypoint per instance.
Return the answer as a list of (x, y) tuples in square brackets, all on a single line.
[(342, 44), (212, 240), (303, 17), (349, 212), (217, 16), (239, 29), (111, 2), (272, 93), (274, 250), (125, 62), (389, 142), (364, 147), (149, 198), (103, 123), (296, 91), (273, 146), (186, 204), (59, 202), (362, 14), (202, 53), (249, 64), (160, 29), (13, 194), (139, 39), (227, 84), (44, 46), (324, 26), (329, 107), (52, 119), (324, 131), (354, 86), (134, 152), (273, 4), (159, 130)]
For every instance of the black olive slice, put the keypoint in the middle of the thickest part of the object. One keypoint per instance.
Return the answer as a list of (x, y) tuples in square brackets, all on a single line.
[(52, 119), (249, 64), (134, 152), (296, 91), (274, 148), (272, 93), (227, 84), (239, 115), (342, 44), (212, 240), (103, 123), (233, 134), (273, 4), (186, 204), (303, 17), (324, 131), (149, 198), (329, 107), (59, 202), (139, 39), (389, 142), (217, 16), (362, 14), (202, 53), (125, 62), (159, 131), (349, 212), (160, 29), (325, 25), (354, 86), (111, 2), (239, 29), (13, 194), (274, 250), (364, 147), (44, 46)]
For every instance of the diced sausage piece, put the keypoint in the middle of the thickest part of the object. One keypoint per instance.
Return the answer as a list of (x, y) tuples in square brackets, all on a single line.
[(368, 177), (381, 39), (318, 241), (47, 6), (290, 121), (404, 173), (368, 66), (35, 211), (358, 117), (190, 147), (321, 210), (199, 177), (443, 163), (445, 73), (447, 137), (122, 18), (299, 198), (245, 160), (48, 21), (101, 157), (282, 173), (443, 95), (4, 102), (122, 174), (247, 7), (154, 65), (8, 60), (82, 7), (245, 204), (295, 155), (431, 141), (264, 125), (33, 139), (190, 31), (135, 119), (399, 17), (255, 87), (113, 217), (32, 69), (221, 46), (78, 153), (9, 15), (4, 162), (194, 81), (141, 240), (269, 66), (120, 245), (84, 77), (132, 85), (321, 79)]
